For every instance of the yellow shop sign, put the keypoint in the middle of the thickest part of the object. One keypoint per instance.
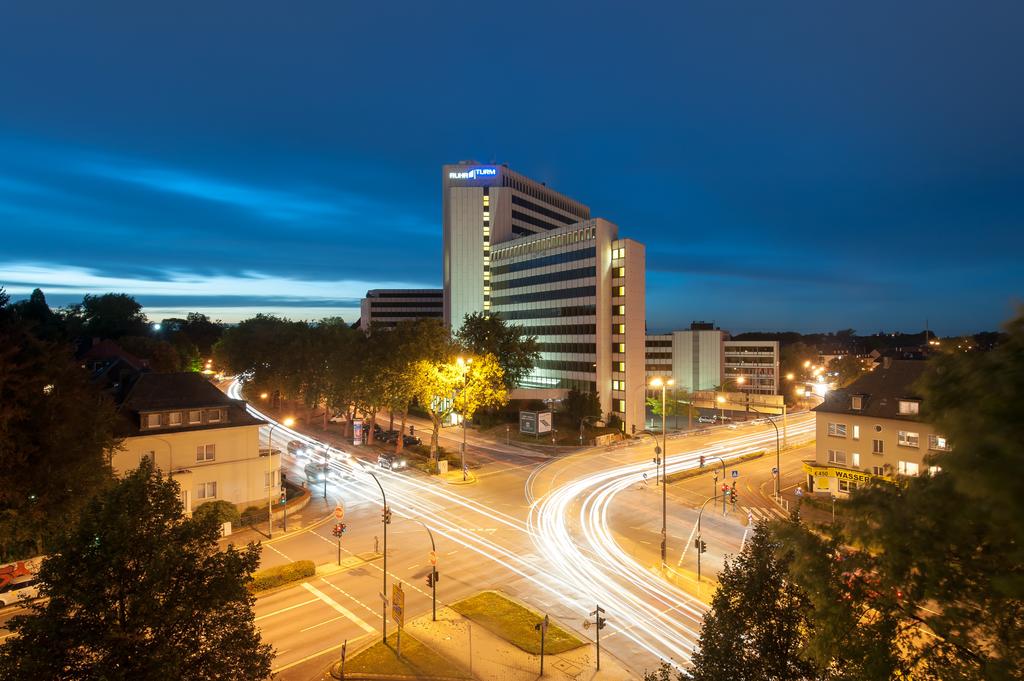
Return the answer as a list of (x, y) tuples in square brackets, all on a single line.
[(841, 473)]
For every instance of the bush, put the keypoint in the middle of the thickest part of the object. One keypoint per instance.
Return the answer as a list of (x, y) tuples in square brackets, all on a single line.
[(253, 515), (222, 511), (281, 574)]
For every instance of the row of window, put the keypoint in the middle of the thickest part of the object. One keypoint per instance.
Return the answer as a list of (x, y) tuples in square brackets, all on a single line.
[(408, 293), (205, 491), (542, 261), (536, 222), (537, 296), (566, 365), (548, 278), (659, 343), (560, 329), (659, 355), (904, 438), (543, 195), (388, 304), (431, 313), (579, 348), (172, 419), (548, 312), (530, 205), (838, 457)]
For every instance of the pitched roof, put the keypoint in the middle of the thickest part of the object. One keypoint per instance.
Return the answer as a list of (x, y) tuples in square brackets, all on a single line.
[(881, 391)]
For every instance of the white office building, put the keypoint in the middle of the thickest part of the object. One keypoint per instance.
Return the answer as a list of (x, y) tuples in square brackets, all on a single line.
[(387, 307), (692, 357)]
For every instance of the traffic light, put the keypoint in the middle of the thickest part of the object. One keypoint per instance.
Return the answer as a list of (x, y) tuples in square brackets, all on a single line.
[(430, 579), (634, 429), (703, 546), (284, 497), (734, 498), (387, 515), (600, 622), (338, 530), (437, 576), (702, 461)]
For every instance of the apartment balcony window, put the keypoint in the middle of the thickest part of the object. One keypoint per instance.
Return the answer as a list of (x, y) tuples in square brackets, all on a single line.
[(877, 447), (837, 456), (908, 468), (909, 439), (937, 443)]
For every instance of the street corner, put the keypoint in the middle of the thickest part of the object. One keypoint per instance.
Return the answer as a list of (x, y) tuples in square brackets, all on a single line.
[(456, 478)]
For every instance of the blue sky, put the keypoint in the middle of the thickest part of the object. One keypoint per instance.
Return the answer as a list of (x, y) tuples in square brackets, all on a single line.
[(790, 165)]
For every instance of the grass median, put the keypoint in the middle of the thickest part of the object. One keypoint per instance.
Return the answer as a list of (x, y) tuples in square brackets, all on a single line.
[(417, 660), (514, 623), (271, 578)]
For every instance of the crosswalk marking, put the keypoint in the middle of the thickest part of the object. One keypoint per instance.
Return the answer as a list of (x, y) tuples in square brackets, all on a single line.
[(337, 606)]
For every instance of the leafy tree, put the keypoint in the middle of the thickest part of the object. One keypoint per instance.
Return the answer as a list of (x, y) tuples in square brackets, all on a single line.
[(442, 387), (197, 328), (677, 403), (220, 511), (579, 406), (163, 357), (42, 321), (136, 591), (849, 368), (484, 333), (113, 315), (56, 430), (758, 619)]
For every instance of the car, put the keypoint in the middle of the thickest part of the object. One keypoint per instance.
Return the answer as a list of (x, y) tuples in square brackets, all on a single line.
[(391, 462), (316, 472), (705, 419), (338, 418), (298, 448), (18, 582), (410, 440)]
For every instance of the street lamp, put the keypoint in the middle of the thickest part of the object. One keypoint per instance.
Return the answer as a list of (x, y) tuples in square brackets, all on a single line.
[(721, 406), (778, 457), (386, 519), (464, 366), (287, 423), (659, 382)]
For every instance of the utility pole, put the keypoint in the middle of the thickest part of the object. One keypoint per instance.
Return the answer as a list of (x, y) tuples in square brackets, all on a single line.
[(701, 548), (599, 623), (386, 519), (542, 627)]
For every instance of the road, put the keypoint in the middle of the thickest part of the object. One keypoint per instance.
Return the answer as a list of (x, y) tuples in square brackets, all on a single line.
[(561, 534)]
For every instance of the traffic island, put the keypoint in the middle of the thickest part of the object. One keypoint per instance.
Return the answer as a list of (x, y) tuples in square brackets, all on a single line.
[(382, 661), (515, 623), (455, 478)]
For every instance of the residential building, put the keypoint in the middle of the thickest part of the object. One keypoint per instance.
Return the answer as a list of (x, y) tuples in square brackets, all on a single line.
[(206, 441), (872, 429), (386, 307), (580, 289), (485, 205), (751, 366), (692, 357)]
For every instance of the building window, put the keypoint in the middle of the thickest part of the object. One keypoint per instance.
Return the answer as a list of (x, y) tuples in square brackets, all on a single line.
[(836, 456), (620, 406), (206, 490), (206, 452), (152, 420), (618, 309), (618, 253), (618, 366), (195, 416), (618, 385), (847, 486), (878, 470), (856, 402), (619, 347), (856, 432), (269, 479), (937, 443), (618, 290), (855, 459), (910, 407), (174, 418), (908, 468), (837, 429), (619, 272), (618, 328), (908, 439), (877, 447), (213, 416)]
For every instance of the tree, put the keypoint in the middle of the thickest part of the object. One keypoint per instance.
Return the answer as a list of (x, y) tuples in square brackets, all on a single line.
[(484, 333), (758, 619), (56, 431), (163, 357), (848, 367), (442, 387), (136, 591), (579, 406), (677, 403), (113, 315)]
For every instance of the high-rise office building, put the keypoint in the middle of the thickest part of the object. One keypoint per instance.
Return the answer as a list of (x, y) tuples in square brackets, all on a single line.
[(515, 247), (484, 205), (580, 290), (386, 307), (751, 366)]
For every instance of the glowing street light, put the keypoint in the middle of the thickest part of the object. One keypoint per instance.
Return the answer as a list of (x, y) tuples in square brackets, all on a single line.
[(662, 383), (287, 422)]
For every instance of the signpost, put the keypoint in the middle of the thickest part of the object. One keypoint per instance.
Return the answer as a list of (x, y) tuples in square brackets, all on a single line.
[(735, 474), (344, 647), (398, 611), (542, 627)]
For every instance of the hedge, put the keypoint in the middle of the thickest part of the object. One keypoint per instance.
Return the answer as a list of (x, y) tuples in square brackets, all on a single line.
[(223, 511), (281, 574), (253, 515)]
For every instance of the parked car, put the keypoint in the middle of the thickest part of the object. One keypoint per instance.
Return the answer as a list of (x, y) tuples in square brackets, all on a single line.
[(18, 582), (705, 419), (391, 462), (410, 440)]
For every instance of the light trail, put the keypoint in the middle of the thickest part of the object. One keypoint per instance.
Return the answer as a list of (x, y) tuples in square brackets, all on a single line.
[(577, 558)]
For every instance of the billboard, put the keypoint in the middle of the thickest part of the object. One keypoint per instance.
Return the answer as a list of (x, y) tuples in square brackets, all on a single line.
[(535, 422), (357, 432)]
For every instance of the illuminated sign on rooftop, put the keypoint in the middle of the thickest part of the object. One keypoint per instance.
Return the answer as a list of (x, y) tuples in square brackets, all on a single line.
[(472, 173)]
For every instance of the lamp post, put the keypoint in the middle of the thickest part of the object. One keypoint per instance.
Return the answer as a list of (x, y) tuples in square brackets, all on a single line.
[(386, 519), (663, 384), (287, 423), (464, 366), (778, 452), (433, 571), (721, 407)]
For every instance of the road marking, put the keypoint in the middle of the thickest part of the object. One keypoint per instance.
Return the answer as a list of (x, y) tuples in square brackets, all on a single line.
[(413, 567), (333, 619), (337, 606), (346, 594), (290, 607), (275, 549), (310, 657)]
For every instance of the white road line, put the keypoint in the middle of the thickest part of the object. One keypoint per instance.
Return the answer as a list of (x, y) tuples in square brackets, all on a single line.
[(274, 548), (337, 606), (290, 607), (333, 619)]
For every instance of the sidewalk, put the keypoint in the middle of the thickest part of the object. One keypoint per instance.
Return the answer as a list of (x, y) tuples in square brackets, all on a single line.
[(317, 511), (491, 658)]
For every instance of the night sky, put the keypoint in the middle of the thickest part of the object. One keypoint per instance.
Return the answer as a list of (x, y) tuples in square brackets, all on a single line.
[(790, 165)]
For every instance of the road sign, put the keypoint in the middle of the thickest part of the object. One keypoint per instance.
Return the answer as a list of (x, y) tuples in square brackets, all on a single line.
[(735, 474), (775, 471), (433, 557), (398, 604), (339, 512)]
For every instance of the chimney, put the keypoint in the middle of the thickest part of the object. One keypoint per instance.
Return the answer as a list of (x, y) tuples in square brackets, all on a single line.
[(887, 362)]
